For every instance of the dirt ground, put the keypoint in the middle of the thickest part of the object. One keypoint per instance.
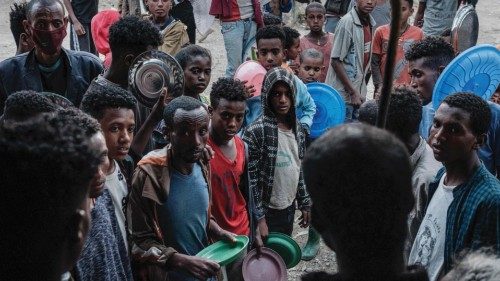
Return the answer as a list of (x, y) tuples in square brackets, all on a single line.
[(489, 32)]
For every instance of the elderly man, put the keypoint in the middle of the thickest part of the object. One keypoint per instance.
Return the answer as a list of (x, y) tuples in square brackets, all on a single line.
[(48, 67)]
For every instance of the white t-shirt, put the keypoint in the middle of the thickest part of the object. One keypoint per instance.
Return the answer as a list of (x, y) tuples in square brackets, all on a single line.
[(286, 171), (117, 186), (428, 248)]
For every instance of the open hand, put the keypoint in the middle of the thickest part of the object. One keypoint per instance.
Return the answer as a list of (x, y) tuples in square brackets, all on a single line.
[(305, 218)]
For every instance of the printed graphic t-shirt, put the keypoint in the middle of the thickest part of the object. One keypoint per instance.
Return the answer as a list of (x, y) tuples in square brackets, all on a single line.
[(381, 42), (117, 186), (286, 171), (428, 248), (228, 204)]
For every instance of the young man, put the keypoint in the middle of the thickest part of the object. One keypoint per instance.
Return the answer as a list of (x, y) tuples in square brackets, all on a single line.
[(361, 213), (426, 60), (408, 35), (196, 62), (232, 201), (351, 54), (464, 209), (276, 146), (292, 49), (48, 67), (271, 53), (80, 14), (114, 108), (24, 105), (311, 66), (17, 16), (435, 16), (104, 256), (168, 210), (128, 38), (239, 22), (47, 166)]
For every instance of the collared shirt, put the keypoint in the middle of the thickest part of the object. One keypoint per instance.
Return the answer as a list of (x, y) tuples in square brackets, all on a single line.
[(473, 218)]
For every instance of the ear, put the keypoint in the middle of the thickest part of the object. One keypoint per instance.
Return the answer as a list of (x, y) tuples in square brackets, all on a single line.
[(27, 28), (210, 111), (480, 141), (165, 132), (78, 226), (66, 21), (322, 67), (441, 68), (129, 59), (285, 53)]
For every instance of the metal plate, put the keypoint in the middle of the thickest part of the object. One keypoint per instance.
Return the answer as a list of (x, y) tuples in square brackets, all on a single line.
[(150, 72), (465, 28)]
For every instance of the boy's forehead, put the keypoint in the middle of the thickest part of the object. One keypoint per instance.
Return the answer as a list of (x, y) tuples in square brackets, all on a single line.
[(312, 61), (112, 114), (39, 10), (452, 114), (270, 43), (197, 115)]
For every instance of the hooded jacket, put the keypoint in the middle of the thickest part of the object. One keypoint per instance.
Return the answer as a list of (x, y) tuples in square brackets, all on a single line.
[(150, 188), (262, 139)]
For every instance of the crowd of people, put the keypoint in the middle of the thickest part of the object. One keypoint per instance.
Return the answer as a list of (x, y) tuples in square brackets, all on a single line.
[(101, 187)]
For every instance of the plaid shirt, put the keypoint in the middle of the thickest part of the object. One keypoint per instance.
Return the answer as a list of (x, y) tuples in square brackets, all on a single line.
[(473, 219)]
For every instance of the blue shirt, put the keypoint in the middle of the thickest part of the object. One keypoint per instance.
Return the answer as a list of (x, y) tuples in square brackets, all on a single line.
[(489, 153), (183, 216), (473, 218)]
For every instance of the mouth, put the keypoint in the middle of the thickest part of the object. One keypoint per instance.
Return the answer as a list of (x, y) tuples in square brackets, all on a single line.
[(122, 150), (201, 85), (436, 148), (283, 108), (160, 11), (230, 133), (99, 185)]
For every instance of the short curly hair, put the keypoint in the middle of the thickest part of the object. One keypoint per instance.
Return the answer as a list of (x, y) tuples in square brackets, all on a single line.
[(132, 34), (364, 209), (404, 114), (290, 35), (23, 105), (271, 32), (186, 54), (98, 98), (478, 109), (271, 19), (17, 15), (434, 49), (227, 88), (47, 165), (315, 5), (183, 102), (89, 124)]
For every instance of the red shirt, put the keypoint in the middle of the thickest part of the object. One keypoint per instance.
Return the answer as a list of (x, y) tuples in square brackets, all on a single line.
[(228, 204), (367, 31)]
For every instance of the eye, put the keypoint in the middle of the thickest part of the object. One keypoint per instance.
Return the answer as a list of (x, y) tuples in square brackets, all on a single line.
[(114, 129), (276, 52), (317, 69), (131, 129), (203, 131)]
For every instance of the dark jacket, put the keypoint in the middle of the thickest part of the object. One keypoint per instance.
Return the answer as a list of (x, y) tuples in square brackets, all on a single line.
[(21, 73), (262, 140)]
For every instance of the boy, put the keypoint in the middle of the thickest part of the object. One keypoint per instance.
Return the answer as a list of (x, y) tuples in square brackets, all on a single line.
[(231, 199), (47, 166), (408, 34), (270, 53), (80, 14), (350, 57), (114, 108), (317, 38), (464, 208), (311, 66), (361, 213), (17, 15), (276, 146), (196, 62), (292, 48), (168, 210)]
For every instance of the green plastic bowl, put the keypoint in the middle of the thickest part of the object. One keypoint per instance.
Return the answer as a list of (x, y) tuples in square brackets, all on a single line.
[(286, 247), (224, 252)]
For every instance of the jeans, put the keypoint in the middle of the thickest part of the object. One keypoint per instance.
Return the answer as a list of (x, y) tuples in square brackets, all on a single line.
[(331, 23), (237, 36), (351, 113)]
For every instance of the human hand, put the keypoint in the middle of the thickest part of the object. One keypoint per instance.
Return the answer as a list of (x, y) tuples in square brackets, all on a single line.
[(249, 89), (208, 153), (163, 100), (199, 268), (257, 242), (79, 29), (263, 230), (355, 99), (305, 218)]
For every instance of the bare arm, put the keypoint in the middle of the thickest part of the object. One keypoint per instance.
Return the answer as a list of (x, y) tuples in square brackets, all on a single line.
[(376, 72), (76, 24), (339, 69), (419, 16)]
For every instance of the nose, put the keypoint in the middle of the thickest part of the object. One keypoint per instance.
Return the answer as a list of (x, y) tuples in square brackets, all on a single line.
[(282, 98), (125, 137), (160, 3), (413, 82), (311, 72), (232, 123), (269, 57), (202, 76)]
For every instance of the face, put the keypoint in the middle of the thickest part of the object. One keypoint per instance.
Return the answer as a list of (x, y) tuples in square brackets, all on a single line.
[(315, 19), (189, 134), (423, 79), (294, 51), (118, 125), (451, 136), (227, 118), (97, 184), (270, 53), (280, 99), (159, 8), (406, 11), (197, 75), (365, 6), (310, 69)]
